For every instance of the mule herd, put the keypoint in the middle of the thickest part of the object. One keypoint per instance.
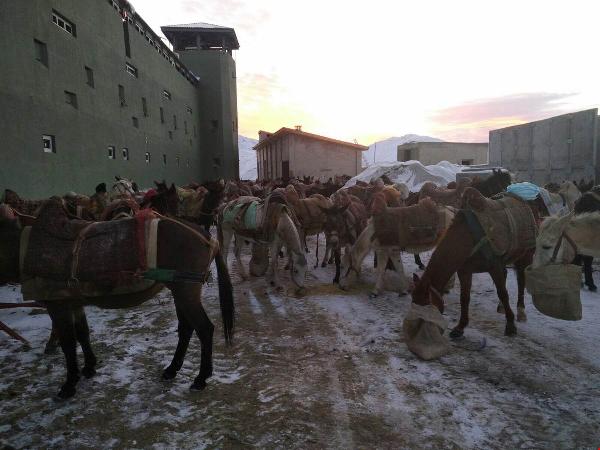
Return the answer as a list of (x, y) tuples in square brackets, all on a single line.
[(479, 225)]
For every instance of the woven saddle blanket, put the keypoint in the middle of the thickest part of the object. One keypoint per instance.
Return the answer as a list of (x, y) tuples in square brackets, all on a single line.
[(410, 226), (85, 258), (508, 223), (254, 218)]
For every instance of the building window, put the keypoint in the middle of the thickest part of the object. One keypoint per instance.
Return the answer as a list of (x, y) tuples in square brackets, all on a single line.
[(164, 159), (41, 52), (131, 70), (63, 23), (71, 99), (111, 152), (147, 157), (185, 126), (122, 95), (162, 115), (171, 135), (189, 109), (167, 94), (467, 162), (174, 122), (145, 106), (214, 125), (135, 121), (126, 39), (217, 162), (48, 143), (125, 154), (89, 77)]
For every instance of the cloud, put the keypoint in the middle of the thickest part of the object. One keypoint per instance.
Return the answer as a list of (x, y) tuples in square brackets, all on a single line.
[(471, 121)]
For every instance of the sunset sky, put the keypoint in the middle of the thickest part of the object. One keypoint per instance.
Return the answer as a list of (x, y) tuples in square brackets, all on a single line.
[(367, 70)]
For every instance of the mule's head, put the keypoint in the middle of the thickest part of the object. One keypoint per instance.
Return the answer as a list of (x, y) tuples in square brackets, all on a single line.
[(335, 222), (298, 269), (165, 201), (425, 294), (571, 192), (123, 187), (550, 233)]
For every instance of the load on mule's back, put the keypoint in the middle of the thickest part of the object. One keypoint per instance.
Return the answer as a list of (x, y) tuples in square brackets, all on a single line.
[(106, 277)]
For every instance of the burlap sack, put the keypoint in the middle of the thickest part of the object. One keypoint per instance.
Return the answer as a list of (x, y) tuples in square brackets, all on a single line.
[(555, 290), (423, 329)]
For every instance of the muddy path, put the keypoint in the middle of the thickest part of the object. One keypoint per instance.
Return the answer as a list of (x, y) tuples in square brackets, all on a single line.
[(326, 370)]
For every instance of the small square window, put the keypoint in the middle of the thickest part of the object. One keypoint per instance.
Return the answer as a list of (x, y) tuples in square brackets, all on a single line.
[(48, 143), (41, 52), (136, 122), (131, 70), (167, 94), (125, 154), (164, 159), (63, 23), (89, 75), (111, 152), (189, 109), (147, 158), (71, 99)]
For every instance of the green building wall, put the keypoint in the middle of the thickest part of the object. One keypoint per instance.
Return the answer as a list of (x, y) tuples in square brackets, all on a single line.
[(33, 103)]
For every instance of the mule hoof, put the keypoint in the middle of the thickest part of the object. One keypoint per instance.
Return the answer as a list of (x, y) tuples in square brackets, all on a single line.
[(198, 385), (323, 264), (373, 295), (510, 330), (67, 391), (88, 372), (169, 374), (500, 309), (456, 333), (592, 287), (421, 267), (521, 316), (50, 349)]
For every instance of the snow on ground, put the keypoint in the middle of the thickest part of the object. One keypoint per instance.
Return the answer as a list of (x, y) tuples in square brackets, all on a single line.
[(387, 149), (247, 158), (327, 370)]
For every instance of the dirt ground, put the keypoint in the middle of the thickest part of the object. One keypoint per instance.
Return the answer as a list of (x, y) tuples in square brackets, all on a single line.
[(328, 370)]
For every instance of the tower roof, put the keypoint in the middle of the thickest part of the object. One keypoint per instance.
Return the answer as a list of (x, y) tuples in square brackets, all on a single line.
[(216, 36)]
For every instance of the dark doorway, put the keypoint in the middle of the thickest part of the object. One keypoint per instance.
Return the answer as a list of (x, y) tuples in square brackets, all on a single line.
[(285, 170)]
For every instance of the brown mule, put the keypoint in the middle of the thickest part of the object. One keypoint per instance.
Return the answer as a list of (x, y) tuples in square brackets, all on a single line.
[(175, 239)]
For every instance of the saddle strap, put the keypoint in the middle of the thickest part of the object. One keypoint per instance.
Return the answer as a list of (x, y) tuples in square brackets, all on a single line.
[(151, 249), (77, 248)]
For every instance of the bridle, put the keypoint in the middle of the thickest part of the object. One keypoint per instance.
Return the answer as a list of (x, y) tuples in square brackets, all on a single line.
[(566, 237)]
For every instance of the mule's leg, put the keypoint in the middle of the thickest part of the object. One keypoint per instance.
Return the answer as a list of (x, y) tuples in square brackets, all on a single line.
[(498, 275), (184, 334), (404, 282), (500, 308), (520, 270), (82, 332), (337, 254), (237, 250), (273, 274), (466, 279), (588, 273), (418, 261), (52, 343), (62, 321), (382, 255), (188, 301)]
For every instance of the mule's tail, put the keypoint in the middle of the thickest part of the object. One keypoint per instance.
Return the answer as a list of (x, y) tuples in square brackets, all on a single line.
[(225, 297)]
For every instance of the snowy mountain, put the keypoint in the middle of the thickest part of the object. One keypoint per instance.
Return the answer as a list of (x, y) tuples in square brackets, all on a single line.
[(387, 149), (247, 158)]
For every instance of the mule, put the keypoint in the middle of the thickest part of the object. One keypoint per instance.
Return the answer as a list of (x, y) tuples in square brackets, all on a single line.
[(461, 251), (175, 239), (402, 236), (274, 228)]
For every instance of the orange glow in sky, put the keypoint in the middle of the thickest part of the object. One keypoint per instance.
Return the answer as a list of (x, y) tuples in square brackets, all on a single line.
[(367, 70)]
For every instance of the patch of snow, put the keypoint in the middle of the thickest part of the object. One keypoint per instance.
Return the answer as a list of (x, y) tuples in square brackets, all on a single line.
[(247, 158), (412, 173)]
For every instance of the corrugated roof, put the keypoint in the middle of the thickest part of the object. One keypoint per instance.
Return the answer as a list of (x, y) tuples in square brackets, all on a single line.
[(285, 131), (198, 25), (203, 28)]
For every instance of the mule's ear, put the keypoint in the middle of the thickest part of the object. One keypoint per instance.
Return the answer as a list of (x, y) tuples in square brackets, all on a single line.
[(172, 188), (416, 278), (117, 177)]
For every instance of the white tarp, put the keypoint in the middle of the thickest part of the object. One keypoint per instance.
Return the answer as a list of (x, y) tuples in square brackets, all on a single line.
[(412, 173)]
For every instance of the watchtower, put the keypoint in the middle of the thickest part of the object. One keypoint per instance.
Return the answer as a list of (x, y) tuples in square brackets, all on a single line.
[(207, 50)]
